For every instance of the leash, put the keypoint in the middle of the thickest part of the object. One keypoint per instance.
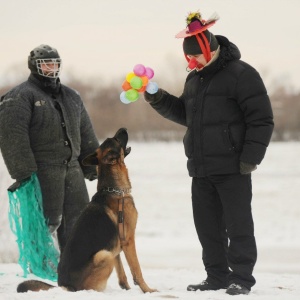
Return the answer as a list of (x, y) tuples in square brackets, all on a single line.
[(121, 224), (121, 219)]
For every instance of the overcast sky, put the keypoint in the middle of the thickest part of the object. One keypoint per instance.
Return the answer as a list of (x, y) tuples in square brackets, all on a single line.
[(105, 39)]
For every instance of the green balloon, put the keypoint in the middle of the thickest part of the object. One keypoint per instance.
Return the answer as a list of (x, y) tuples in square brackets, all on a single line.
[(132, 95), (136, 82)]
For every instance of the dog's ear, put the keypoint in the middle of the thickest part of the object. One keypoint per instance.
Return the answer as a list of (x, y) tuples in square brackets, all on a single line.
[(91, 160), (122, 136), (127, 151)]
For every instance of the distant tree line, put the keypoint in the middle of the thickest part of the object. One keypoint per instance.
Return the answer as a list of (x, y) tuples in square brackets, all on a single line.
[(108, 113)]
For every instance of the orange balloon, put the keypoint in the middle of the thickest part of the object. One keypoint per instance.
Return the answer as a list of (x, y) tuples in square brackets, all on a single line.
[(142, 89), (126, 85), (144, 80)]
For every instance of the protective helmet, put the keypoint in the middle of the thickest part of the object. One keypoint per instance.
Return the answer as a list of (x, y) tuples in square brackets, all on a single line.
[(45, 61)]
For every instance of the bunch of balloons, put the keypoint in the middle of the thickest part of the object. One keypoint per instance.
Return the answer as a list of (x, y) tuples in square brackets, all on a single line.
[(138, 82)]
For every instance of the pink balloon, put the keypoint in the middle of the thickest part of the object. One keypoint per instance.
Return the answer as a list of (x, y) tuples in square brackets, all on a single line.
[(139, 70), (149, 72)]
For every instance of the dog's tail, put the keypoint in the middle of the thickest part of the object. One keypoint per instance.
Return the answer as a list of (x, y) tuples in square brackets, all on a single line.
[(33, 285)]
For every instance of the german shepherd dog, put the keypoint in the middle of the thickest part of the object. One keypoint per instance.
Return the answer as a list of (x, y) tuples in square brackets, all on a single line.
[(103, 230)]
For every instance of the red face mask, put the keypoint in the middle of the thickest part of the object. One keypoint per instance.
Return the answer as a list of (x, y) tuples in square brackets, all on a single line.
[(192, 64)]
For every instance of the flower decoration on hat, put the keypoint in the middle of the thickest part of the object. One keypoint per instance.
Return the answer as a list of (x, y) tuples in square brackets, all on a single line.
[(191, 16)]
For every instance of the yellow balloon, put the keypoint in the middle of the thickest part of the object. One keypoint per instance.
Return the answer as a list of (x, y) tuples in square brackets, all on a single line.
[(129, 76)]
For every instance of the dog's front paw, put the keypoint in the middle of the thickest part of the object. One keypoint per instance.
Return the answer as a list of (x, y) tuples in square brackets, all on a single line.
[(152, 290), (124, 285), (146, 289)]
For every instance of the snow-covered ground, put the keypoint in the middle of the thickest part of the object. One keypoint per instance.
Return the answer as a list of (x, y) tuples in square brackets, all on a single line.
[(167, 245)]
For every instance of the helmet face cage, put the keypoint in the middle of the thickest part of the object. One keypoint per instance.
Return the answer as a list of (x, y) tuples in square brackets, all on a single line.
[(49, 67)]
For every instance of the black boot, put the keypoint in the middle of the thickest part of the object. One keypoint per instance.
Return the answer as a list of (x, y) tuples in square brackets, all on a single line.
[(205, 286), (237, 289)]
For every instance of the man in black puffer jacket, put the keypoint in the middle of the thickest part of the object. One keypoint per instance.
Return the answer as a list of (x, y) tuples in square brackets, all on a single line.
[(45, 129), (229, 121)]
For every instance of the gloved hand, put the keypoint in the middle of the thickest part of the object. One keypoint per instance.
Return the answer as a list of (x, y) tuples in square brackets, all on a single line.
[(150, 98), (246, 168), (17, 184)]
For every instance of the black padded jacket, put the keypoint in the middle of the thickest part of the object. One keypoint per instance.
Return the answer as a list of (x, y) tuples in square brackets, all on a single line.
[(38, 127), (227, 112)]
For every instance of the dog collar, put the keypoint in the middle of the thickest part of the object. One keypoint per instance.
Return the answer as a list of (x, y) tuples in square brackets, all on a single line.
[(116, 190)]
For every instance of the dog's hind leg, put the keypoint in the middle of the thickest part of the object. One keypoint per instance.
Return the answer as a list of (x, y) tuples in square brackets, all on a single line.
[(132, 259), (121, 273), (98, 271)]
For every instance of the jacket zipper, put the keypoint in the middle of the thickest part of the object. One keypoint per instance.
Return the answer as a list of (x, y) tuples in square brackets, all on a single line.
[(198, 141)]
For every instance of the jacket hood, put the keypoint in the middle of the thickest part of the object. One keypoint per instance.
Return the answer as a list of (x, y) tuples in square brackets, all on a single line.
[(229, 51)]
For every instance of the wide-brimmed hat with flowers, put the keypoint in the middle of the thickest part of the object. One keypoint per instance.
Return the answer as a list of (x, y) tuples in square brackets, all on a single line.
[(196, 35), (195, 24)]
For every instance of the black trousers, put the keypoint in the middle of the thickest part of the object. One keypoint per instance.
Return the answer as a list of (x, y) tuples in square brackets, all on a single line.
[(224, 224), (64, 195)]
